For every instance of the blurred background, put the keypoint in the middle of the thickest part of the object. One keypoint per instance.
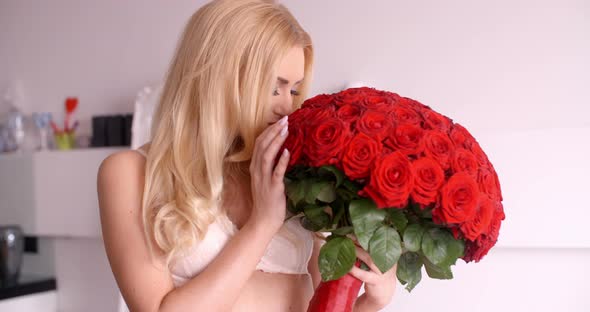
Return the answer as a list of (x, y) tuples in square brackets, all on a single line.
[(78, 80)]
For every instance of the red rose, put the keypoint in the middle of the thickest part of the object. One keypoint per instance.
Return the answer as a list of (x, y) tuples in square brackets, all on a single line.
[(460, 197), (499, 214), (359, 156), (489, 184), (380, 103), (352, 96), (374, 124), (319, 101), (461, 137), (435, 121), (482, 158), (464, 161), (325, 141), (350, 112), (438, 146), (475, 251), (428, 178), (391, 182), (392, 95), (297, 117), (406, 138), (405, 114), (365, 90), (413, 104), (481, 221), (320, 114)]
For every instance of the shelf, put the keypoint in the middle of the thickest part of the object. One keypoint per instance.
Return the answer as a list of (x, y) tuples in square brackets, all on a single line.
[(52, 193)]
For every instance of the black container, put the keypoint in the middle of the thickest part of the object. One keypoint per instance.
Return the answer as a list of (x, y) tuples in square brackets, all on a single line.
[(99, 125), (127, 123), (113, 130), (11, 254)]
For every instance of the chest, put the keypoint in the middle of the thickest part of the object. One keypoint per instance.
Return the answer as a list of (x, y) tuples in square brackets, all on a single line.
[(237, 206), (288, 252), (266, 292)]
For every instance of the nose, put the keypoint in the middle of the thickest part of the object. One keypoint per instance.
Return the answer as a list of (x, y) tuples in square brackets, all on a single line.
[(285, 106)]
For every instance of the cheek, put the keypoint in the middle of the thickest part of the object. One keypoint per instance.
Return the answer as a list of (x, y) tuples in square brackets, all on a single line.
[(270, 109), (274, 102)]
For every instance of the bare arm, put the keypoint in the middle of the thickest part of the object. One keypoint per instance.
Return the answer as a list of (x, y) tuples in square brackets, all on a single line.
[(146, 284), (312, 266)]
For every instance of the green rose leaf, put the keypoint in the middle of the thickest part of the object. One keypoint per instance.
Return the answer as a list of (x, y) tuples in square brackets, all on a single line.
[(292, 208), (351, 186), (309, 225), (328, 193), (338, 211), (427, 213), (441, 248), (336, 258), (409, 270), (295, 191), (317, 216), (366, 218), (321, 190), (345, 194), (343, 231), (438, 272), (385, 248), (413, 237), (332, 170), (398, 218)]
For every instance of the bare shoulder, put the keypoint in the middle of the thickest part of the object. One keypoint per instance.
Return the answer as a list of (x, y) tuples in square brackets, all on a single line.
[(142, 279), (121, 175), (123, 164), (128, 165)]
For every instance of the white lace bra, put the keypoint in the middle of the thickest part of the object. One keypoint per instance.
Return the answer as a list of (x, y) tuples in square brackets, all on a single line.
[(288, 252)]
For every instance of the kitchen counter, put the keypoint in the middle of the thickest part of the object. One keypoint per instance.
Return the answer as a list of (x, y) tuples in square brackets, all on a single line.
[(28, 285)]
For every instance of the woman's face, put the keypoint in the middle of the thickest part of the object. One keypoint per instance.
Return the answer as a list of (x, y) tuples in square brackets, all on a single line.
[(289, 77)]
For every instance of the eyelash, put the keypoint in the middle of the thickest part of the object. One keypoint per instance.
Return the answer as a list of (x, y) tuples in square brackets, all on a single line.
[(275, 92)]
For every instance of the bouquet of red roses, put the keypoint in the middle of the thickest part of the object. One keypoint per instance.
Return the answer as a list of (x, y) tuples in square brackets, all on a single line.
[(413, 187)]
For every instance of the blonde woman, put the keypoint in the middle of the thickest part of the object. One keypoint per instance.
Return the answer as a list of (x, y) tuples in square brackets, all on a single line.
[(194, 220)]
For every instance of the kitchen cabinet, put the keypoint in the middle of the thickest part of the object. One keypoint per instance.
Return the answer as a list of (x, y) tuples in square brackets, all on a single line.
[(52, 193)]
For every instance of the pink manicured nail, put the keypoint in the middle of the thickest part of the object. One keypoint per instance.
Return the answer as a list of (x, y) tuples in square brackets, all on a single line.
[(284, 120)]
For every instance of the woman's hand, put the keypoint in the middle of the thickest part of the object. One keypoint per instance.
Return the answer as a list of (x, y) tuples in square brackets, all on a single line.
[(268, 188), (379, 287)]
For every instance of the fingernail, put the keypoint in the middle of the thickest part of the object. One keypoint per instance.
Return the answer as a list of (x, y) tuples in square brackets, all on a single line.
[(286, 153), (284, 120), (284, 131)]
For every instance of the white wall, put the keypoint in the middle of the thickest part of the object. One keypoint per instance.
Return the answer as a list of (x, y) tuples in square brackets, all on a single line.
[(516, 73)]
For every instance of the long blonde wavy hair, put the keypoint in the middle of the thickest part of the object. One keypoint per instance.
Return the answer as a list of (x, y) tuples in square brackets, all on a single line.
[(210, 113)]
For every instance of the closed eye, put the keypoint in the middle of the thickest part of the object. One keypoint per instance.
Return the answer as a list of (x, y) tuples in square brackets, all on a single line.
[(275, 92)]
